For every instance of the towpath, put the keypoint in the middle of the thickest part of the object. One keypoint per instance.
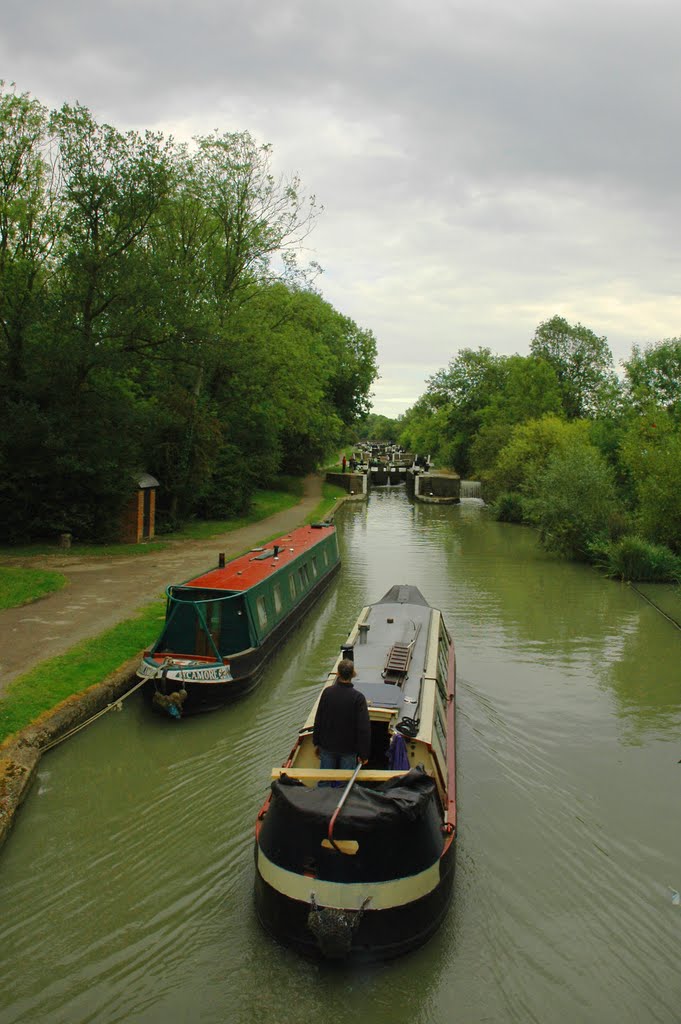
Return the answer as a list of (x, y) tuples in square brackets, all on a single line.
[(101, 592)]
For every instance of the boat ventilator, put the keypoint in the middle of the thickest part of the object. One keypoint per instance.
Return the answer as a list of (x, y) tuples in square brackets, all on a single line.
[(334, 929)]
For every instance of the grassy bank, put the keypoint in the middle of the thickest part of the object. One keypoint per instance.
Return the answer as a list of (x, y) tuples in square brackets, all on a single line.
[(21, 586), (330, 495), (45, 686)]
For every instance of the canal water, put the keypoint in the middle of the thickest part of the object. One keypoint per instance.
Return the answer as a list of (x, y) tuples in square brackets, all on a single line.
[(126, 885)]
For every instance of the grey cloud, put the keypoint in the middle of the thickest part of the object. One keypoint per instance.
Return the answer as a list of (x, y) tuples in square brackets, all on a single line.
[(483, 166)]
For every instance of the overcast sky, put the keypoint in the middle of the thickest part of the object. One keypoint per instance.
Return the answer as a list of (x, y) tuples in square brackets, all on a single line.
[(482, 165)]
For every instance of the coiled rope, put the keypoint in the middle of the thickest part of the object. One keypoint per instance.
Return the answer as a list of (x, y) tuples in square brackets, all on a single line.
[(115, 705)]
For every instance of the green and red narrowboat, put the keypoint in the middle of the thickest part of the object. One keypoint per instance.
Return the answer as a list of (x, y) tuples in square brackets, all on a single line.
[(222, 626), (364, 872)]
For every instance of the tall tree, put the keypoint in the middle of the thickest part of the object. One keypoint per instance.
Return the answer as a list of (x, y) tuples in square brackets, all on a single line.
[(583, 364), (653, 376), (29, 222)]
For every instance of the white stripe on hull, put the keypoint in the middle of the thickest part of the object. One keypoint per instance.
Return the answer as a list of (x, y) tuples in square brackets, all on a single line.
[(396, 892)]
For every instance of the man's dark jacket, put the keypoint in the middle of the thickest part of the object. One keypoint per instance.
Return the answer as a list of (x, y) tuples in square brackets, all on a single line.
[(342, 723)]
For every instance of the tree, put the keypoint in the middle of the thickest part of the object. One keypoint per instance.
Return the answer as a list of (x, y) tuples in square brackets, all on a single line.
[(651, 452), (29, 221), (528, 451), (583, 364), (653, 376), (572, 500), (460, 394), (529, 391)]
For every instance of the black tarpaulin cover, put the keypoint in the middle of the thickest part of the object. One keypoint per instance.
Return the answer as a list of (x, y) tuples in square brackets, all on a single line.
[(407, 796)]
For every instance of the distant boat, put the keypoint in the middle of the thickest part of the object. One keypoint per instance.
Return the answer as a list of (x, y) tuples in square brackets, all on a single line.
[(364, 871), (222, 626)]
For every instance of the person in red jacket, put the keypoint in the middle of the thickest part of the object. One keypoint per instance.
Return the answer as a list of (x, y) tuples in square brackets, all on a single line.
[(342, 727)]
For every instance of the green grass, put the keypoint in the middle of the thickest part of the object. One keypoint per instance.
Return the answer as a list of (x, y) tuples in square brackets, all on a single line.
[(89, 662), (21, 586), (265, 503), (330, 495)]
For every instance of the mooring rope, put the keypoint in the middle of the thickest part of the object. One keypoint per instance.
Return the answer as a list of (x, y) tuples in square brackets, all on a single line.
[(116, 705), (657, 608)]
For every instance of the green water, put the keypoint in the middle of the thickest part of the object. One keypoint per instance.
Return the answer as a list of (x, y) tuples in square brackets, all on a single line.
[(126, 886)]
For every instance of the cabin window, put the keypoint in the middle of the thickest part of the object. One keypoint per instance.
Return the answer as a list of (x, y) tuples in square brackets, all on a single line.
[(262, 611), (277, 599), (314, 566), (292, 585), (326, 557), (304, 576)]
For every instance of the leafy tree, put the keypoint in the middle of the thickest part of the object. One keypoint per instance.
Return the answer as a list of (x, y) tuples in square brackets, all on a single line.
[(572, 500), (583, 364), (653, 376), (529, 391), (464, 390), (652, 453), (376, 427), (529, 448), (29, 219)]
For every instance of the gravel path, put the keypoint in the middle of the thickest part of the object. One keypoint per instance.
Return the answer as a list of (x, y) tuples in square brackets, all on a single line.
[(102, 592)]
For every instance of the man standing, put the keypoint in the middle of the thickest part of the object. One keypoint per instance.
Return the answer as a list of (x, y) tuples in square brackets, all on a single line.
[(342, 727)]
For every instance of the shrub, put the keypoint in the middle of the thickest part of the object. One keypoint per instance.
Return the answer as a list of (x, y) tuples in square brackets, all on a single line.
[(572, 501), (508, 508), (633, 558)]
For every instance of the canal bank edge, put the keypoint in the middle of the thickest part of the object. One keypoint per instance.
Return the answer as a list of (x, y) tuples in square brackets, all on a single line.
[(20, 754)]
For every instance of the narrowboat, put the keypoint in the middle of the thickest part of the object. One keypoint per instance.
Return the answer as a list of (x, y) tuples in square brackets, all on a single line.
[(358, 865), (222, 626)]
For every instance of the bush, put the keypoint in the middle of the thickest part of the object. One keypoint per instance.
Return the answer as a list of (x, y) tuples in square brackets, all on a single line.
[(572, 501), (508, 508), (635, 559)]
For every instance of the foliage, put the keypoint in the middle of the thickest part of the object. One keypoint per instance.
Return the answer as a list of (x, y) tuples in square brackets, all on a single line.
[(632, 558), (583, 364), (154, 317), (651, 451), (527, 452), (376, 427), (508, 507), (653, 376), (572, 500)]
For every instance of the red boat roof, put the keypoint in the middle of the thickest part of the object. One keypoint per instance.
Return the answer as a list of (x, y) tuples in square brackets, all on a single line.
[(244, 572)]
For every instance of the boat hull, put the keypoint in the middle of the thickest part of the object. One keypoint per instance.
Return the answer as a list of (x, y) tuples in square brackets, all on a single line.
[(380, 934)]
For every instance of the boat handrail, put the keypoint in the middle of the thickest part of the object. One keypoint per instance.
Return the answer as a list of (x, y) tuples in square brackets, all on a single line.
[(336, 774)]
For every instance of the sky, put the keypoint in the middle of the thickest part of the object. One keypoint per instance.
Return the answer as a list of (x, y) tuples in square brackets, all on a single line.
[(483, 166)]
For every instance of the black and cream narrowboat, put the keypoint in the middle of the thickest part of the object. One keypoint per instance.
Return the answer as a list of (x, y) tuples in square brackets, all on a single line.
[(222, 626), (363, 869)]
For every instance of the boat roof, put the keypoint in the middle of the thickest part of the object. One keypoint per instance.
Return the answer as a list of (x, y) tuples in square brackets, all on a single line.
[(259, 563), (400, 618)]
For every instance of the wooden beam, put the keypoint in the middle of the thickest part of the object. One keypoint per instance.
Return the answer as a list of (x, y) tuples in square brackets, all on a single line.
[(334, 774)]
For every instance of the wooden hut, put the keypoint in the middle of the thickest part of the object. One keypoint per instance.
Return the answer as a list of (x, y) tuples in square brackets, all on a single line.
[(139, 514)]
